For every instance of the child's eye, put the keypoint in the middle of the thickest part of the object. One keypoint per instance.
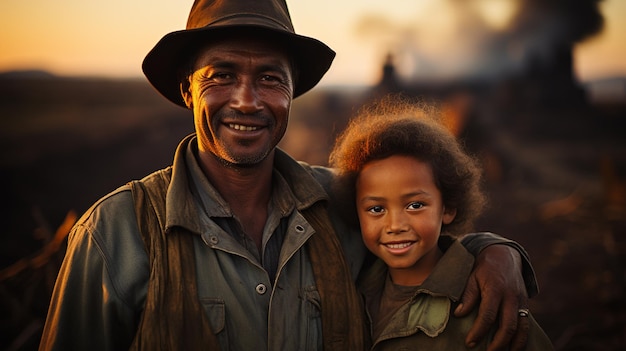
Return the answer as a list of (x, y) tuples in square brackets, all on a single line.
[(415, 205), (376, 209)]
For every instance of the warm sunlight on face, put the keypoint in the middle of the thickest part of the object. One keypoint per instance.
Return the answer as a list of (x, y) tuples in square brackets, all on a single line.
[(401, 213)]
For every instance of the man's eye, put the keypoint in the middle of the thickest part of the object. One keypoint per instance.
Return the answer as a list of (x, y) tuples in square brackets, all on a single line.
[(271, 78), (221, 76)]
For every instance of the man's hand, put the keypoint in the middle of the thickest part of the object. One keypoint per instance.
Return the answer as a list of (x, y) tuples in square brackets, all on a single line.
[(497, 283)]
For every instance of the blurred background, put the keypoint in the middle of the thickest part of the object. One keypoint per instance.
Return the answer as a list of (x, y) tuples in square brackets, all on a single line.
[(535, 88)]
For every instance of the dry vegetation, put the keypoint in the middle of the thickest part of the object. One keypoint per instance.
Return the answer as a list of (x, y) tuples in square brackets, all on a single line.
[(65, 143)]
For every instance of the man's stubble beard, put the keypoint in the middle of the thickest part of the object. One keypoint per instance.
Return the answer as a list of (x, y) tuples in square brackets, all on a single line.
[(244, 162)]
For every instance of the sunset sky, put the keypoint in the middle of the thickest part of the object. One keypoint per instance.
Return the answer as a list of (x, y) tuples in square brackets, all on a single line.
[(431, 38)]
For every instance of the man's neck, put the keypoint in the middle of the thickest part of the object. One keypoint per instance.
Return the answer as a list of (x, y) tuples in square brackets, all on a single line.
[(247, 190)]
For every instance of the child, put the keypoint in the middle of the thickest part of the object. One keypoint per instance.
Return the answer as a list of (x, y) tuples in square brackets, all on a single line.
[(411, 183)]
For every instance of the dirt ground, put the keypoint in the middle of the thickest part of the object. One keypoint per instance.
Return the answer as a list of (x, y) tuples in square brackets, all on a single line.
[(563, 199), (574, 229)]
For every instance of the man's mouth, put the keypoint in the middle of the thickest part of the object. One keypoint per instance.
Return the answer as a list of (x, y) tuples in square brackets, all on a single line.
[(242, 127)]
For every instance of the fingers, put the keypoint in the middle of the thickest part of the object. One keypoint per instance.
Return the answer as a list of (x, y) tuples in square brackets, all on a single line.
[(497, 283), (485, 320), (520, 339), (469, 299), (512, 332), (508, 326)]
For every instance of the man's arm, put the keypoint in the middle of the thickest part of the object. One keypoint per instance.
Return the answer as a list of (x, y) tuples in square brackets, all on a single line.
[(84, 313), (100, 284), (501, 282), (475, 243)]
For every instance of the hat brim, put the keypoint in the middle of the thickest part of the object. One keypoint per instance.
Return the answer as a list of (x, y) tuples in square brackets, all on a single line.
[(163, 63)]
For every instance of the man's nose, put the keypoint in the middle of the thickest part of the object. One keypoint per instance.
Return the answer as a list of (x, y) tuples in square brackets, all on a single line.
[(245, 97)]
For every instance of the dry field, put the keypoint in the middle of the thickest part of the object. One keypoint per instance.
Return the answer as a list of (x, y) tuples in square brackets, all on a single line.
[(64, 143)]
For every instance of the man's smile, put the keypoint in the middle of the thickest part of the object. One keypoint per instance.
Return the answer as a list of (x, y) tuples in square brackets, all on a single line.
[(242, 127)]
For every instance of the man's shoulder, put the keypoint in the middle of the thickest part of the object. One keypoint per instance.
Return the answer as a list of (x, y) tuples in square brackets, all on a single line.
[(115, 202), (108, 221), (118, 205), (107, 236), (111, 224), (323, 175)]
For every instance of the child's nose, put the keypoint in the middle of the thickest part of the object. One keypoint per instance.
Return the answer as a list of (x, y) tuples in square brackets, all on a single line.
[(398, 222)]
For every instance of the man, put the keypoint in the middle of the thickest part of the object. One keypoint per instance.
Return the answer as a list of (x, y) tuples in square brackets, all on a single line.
[(235, 227)]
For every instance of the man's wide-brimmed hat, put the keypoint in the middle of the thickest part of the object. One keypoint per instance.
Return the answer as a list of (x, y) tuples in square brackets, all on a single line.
[(212, 19)]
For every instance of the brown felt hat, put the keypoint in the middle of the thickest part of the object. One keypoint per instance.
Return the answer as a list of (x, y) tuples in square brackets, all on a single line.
[(212, 19)]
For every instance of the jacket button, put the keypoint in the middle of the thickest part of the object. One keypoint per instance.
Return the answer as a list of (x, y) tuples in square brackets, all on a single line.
[(214, 240), (261, 289)]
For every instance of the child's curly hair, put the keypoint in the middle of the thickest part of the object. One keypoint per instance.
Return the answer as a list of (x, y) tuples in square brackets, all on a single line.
[(395, 126)]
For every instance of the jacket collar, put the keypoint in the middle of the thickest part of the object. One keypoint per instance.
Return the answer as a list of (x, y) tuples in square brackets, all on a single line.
[(429, 309), (450, 275), (293, 186)]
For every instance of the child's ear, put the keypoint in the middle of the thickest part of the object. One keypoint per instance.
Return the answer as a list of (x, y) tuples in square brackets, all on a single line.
[(448, 215)]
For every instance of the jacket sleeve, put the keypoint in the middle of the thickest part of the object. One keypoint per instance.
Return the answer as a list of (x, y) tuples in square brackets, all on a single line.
[(98, 296), (476, 242)]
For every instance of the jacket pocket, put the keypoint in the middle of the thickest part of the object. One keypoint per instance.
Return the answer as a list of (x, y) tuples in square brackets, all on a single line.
[(216, 312), (314, 319)]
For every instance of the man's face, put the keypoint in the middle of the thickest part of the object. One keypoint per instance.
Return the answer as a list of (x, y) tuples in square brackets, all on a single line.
[(240, 93)]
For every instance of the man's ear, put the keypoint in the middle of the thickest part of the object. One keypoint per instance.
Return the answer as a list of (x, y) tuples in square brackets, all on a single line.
[(448, 215), (186, 94)]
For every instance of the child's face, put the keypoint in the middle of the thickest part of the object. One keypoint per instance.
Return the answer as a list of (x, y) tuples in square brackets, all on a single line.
[(401, 213)]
